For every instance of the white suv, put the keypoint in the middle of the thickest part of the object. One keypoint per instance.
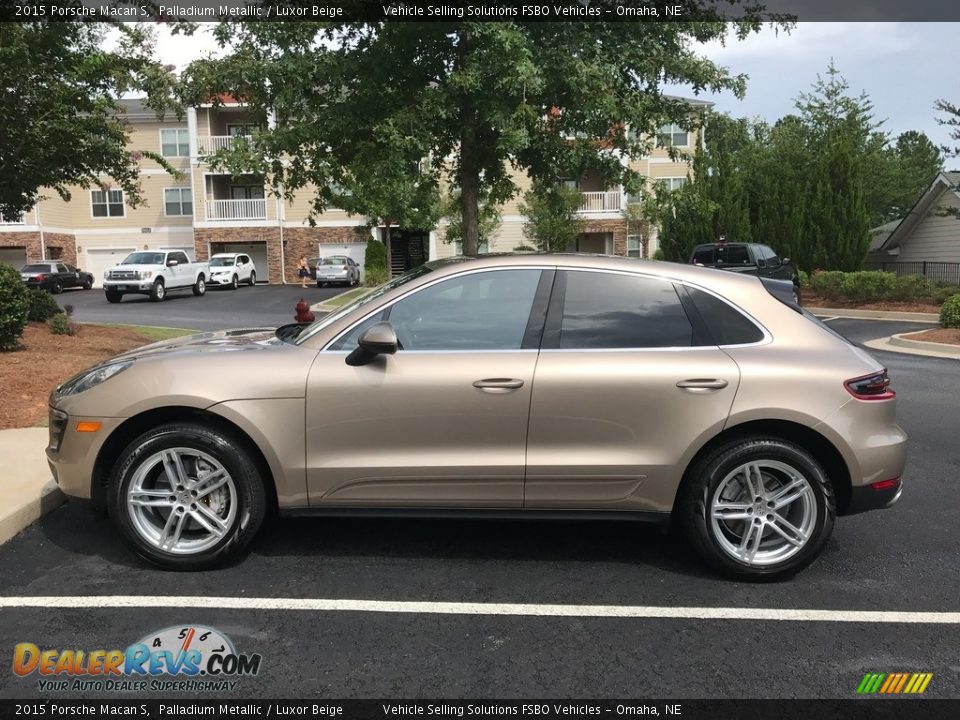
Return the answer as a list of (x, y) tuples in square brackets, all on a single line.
[(231, 269)]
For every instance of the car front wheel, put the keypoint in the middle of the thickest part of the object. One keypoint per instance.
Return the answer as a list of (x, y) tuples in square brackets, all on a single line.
[(758, 509), (234, 283), (186, 497)]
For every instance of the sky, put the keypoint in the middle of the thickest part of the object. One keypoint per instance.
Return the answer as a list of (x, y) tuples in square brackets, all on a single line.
[(903, 67)]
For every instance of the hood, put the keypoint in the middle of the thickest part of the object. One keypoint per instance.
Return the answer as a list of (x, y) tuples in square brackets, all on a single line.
[(221, 341)]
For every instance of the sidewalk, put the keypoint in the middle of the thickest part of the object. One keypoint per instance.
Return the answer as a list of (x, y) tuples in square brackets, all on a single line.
[(27, 491), (855, 314)]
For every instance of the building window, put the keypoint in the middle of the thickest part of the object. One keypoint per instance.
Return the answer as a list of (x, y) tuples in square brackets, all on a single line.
[(672, 135), (107, 203), (570, 184), (674, 183), (175, 142), (178, 201), (16, 219), (633, 246), (483, 247)]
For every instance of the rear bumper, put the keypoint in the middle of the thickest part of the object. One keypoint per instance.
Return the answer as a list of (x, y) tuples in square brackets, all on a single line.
[(864, 498)]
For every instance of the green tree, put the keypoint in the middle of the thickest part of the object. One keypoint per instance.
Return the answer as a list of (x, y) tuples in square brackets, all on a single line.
[(62, 123), (489, 220), (465, 100), (553, 220), (952, 122)]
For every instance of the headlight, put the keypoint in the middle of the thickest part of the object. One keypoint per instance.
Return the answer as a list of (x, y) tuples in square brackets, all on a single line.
[(144, 274), (106, 274), (92, 378)]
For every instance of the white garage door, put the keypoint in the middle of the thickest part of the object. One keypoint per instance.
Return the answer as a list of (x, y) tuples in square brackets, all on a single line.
[(15, 256), (357, 251), (100, 259), (257, 253)]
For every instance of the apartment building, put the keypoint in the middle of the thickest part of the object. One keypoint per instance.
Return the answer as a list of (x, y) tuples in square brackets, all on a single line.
[(203, 210)]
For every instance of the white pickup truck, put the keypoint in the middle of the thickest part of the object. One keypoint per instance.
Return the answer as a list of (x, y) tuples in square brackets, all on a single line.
[(155, 273)]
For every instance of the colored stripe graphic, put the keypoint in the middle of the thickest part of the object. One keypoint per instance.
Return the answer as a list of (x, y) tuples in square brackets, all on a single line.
[(894, 683)]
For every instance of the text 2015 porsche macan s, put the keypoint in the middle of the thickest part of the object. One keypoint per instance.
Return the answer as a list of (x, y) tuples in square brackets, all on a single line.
[(533, 385)]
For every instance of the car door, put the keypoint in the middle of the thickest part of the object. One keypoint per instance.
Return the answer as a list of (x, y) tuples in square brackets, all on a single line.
[(67, 278), (443, 422), (624, 386)]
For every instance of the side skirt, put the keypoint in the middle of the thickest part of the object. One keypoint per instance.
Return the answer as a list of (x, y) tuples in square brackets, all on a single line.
[(659, 518)]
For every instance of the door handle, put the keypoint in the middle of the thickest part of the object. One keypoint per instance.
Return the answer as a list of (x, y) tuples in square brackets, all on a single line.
[(498, 384), (702, 384)]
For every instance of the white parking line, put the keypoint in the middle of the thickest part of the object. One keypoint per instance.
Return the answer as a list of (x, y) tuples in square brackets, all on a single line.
[(467, 608)]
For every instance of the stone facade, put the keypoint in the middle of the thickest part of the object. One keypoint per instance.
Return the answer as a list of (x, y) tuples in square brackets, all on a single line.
[(61, 246), (58, 246), (617, 226), (28, 240), (296, 242)]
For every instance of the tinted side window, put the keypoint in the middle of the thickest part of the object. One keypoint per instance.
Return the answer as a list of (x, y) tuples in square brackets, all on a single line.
[(726, 325), (480, 311), (733, 255), (607, 310), (62, 268), (703, 255)]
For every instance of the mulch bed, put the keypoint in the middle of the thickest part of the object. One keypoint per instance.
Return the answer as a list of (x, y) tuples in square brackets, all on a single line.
[(28, 375), (951, 336), (810, 300)]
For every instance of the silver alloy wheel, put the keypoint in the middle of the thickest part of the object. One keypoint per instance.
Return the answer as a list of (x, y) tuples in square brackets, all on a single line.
[(161, 290), (763, 512), (182, 501)]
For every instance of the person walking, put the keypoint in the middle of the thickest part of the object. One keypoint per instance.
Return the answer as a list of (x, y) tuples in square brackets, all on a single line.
[(303, 271)]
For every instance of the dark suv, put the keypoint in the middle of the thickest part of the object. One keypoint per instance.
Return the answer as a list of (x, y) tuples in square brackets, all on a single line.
[(752, 258), (55, 276)]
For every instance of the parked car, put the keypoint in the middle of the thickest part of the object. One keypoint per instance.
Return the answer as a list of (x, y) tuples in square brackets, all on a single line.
[(155, 273), (54, 276), (752, 258), (568, 386), (335, 269), (231, 269)]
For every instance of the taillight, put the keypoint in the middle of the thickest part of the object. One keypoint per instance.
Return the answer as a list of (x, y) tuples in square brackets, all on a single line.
[(343, 267), (875, 386), (39, 278), (885, 484)]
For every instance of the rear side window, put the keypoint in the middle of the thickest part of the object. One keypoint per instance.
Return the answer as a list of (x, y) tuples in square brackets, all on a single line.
[(703, 255), (725, 324), (732, 255), (612, 311)]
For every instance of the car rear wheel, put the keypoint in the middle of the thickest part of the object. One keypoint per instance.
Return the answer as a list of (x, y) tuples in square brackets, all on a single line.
[(758, 509), (187, 497), (57, 287), (253, 278), (200, 286), (159, 291)]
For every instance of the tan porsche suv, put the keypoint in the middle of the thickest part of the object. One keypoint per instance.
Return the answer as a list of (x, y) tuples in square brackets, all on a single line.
[(546, 386)]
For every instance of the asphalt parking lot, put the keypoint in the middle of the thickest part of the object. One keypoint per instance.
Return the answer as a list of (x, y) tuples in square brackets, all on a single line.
[(706, 644), (220, 308)]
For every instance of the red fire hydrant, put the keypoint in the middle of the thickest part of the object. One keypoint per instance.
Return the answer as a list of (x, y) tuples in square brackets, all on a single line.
[(303, 313)]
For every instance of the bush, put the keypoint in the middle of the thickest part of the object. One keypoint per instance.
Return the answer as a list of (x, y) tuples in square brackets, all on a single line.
[(868, 285), (374, 276), (658, 254), (60, 324), (828, 284), (910, 287), (940, 295), (14, 307), (42, 305), (950, 312), (804, 278), (375, 256), (524, 248)]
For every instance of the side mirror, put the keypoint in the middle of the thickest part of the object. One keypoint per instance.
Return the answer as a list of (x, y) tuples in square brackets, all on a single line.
[(785, 261), (172, 263), (379, 339)]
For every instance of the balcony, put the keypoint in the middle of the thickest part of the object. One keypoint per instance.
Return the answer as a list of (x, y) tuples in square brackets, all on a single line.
[(209, 144), (607, 201), (254, 209)]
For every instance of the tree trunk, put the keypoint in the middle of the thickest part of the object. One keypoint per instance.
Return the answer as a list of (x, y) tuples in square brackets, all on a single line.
[(386, 243), (469, 180)]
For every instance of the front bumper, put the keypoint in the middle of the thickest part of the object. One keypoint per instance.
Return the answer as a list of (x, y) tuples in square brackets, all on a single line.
[(72, 454), (220, 280), (127, 286)]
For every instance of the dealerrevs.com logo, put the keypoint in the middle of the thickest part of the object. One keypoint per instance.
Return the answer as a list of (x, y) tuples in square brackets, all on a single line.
[(189, 658)]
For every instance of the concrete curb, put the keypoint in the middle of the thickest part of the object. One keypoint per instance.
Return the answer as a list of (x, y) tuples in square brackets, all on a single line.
[(854, 314), (27, 492), (901, 343)]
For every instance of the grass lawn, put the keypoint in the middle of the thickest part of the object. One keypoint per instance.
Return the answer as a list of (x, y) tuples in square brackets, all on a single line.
[(343, 298), (152, 334)]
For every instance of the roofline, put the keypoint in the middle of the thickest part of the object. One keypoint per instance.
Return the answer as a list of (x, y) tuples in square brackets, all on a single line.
[(917, 212)]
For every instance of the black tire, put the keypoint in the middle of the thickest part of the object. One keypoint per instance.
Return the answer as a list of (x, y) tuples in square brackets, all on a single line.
[(704, 481), (253, 278), (114, 297), (321, 284), (56, 288), (200, 286), (231, 454), (234, 283), (87, 284), (797, 295), (158, 293)]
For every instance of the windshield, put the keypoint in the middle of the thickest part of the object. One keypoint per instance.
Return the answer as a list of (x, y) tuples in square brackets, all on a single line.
[(362, 300), (221, 262), (143, 258), (333, 261)]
